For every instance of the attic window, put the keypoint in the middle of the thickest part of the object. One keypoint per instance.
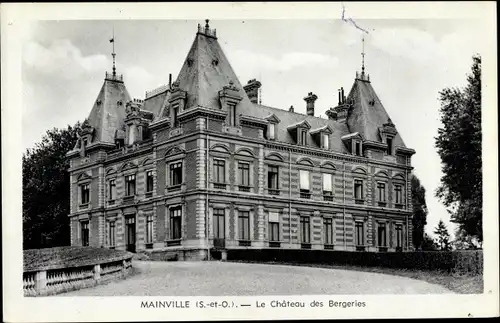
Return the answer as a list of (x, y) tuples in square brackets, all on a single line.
[(326, 141), (190, 62), (389, 146), (215, 62), (357, 144), (303, 137), (119, 103), (271, 131)]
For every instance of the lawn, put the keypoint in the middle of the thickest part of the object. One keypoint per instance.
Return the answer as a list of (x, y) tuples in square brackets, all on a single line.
[(65, 257), (459, 283)]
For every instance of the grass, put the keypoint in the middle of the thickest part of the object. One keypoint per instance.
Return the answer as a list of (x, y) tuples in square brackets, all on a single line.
[(458, 283), (65, 257)]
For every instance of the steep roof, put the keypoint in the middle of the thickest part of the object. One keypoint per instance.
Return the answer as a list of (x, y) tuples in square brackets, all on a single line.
[(108, 112), (206, 70), (289, 118), (368, 113)]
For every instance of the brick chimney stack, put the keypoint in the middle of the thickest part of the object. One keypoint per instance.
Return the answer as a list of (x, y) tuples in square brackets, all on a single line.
[(252, 90), (310, 99)]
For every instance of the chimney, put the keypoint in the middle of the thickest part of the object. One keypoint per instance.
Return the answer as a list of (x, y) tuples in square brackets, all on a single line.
[(340, 98), (291, 109), (310, 99), (170, 80), (343, 96), (252, 90)]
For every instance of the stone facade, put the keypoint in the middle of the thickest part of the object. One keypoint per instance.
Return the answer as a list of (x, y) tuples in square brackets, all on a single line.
[(223, 197)]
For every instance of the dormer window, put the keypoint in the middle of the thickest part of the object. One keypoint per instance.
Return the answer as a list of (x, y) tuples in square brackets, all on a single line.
[(326, 141), (175, 112), (271, 127), (389, 146), (357, 149), (303, 137), (299, 131), (271, 131)]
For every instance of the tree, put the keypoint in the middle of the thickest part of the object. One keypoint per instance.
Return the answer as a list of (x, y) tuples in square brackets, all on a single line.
[(46, 190), (428, 243), (443, 237), (459, 145), (419, 218), (464, 241)]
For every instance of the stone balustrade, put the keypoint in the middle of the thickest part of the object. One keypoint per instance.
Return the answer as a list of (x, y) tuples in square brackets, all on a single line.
[(57, 280)]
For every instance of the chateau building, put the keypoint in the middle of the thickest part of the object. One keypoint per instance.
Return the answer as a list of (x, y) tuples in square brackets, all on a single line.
[(200, 163)]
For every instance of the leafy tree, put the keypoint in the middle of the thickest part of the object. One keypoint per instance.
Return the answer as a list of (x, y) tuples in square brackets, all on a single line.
[(443, 237), (46, 190), (459, 145), (464, 241), (428, 243), (419, 218)]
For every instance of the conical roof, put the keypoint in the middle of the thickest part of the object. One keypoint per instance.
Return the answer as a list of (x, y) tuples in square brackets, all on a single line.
[(108, 112), (367, 114)]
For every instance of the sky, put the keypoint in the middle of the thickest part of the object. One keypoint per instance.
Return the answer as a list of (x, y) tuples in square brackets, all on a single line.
[(409, 62)]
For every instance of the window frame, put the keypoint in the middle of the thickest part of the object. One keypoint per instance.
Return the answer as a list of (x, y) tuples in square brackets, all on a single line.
[(176, 172), (382, 233), (149, 228), (381, 188), (244, 231), (149, 176), (175, 219), (398, 188), (219, 213), (328, 234), (360, 182), (218, 164), (242, 168), (84, 192), (305, 229), (131, 178), (359, 237), (111, 233), (112, 189), (84, 228)]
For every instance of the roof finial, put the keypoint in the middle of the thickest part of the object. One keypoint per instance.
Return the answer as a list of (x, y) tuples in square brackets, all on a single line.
[(363, 58), (112, 40), (207, 26)]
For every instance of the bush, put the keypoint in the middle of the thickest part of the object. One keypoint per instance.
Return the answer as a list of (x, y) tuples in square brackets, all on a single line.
[(465, 262)]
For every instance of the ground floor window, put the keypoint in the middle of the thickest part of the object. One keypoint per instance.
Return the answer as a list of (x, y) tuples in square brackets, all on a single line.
[(85, 233), (382, 235), (111, 233), (149, 229), (305, 229), (244, 225), (399, 236), (274, 226), (359, 233), (328, 230), (175, 223), (219, 223)]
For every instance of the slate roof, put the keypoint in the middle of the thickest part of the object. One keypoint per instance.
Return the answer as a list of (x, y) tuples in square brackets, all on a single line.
[(368, 113), (107, 114), (206, 70)]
